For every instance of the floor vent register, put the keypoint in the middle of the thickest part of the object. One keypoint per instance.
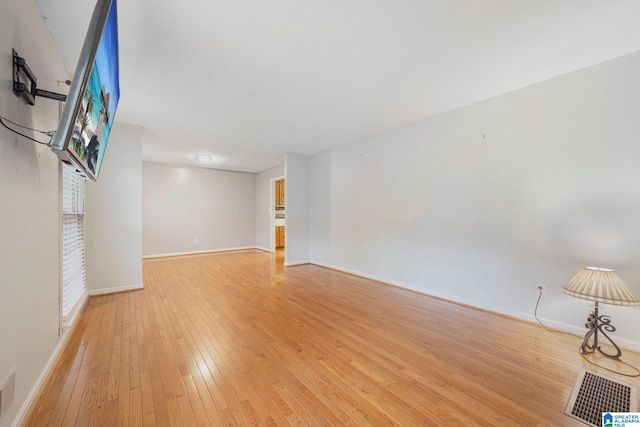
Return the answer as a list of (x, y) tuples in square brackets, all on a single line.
[(594, 395)]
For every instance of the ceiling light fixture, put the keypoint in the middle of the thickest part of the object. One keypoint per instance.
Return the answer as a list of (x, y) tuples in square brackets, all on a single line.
[(203, 157)]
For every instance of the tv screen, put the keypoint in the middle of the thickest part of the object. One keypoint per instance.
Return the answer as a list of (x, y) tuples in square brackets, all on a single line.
[(88, 114)]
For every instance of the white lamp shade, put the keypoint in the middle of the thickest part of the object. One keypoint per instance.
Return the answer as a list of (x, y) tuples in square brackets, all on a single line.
[(600, 285)]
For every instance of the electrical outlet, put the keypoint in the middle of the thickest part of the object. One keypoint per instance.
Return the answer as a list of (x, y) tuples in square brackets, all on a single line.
[(539, 290)]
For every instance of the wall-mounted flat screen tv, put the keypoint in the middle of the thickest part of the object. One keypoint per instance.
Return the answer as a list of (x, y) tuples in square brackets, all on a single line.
[(88, 114)]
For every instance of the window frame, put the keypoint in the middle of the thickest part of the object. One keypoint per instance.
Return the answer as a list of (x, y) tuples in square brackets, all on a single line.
[(73, 281)]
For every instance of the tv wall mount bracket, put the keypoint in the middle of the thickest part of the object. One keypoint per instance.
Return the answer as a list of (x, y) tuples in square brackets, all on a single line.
[(25, 83)]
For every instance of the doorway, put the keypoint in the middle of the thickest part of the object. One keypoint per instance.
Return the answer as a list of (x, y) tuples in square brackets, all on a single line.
[(278, 216), (280, 213)]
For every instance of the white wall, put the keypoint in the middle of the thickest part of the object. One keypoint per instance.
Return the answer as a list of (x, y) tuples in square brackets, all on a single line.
[(29, 208), (264, 198), (180, 204), (297, 220), (485, 202), (113, 224)]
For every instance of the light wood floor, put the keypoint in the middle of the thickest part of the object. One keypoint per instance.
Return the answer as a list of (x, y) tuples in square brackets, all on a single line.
[(237, 339)]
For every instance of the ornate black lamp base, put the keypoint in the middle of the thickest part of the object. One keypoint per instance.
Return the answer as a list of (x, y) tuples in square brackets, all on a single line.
[(598, 324)]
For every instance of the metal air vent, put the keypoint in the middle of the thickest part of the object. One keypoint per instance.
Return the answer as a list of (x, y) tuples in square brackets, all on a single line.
[(592, 395)]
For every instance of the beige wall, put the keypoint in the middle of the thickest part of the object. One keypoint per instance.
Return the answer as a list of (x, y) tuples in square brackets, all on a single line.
[(29, 209), (181, 204), (297, 200), (113, 224), (482, 204)]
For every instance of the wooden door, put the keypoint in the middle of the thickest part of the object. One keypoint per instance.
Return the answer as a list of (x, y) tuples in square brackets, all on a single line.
[(279, 236), (280, 192), (282, 196)]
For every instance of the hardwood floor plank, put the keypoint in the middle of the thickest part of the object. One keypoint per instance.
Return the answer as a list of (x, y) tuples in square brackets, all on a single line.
[(135, 408), (59, 394), (79, 405), (234, 339), (146, 400), (194, 399), (83, 415)]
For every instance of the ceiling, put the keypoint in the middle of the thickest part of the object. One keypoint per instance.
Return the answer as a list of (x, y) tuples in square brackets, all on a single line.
[(248, 80)]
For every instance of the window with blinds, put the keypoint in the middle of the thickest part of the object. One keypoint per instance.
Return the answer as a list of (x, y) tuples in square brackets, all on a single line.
[(73, 271)]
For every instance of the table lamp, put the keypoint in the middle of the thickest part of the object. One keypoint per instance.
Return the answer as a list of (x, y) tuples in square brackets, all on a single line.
[(600, 285)]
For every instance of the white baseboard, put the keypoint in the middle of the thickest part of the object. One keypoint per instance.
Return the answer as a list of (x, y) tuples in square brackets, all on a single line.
[(242, 248), (116, 289), (69, 321), (578, 331), (291, 264), (260, 248), (66, 331), (623, 343)]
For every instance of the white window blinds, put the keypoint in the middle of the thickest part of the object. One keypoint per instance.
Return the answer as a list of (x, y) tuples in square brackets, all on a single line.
[(73, 272)]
